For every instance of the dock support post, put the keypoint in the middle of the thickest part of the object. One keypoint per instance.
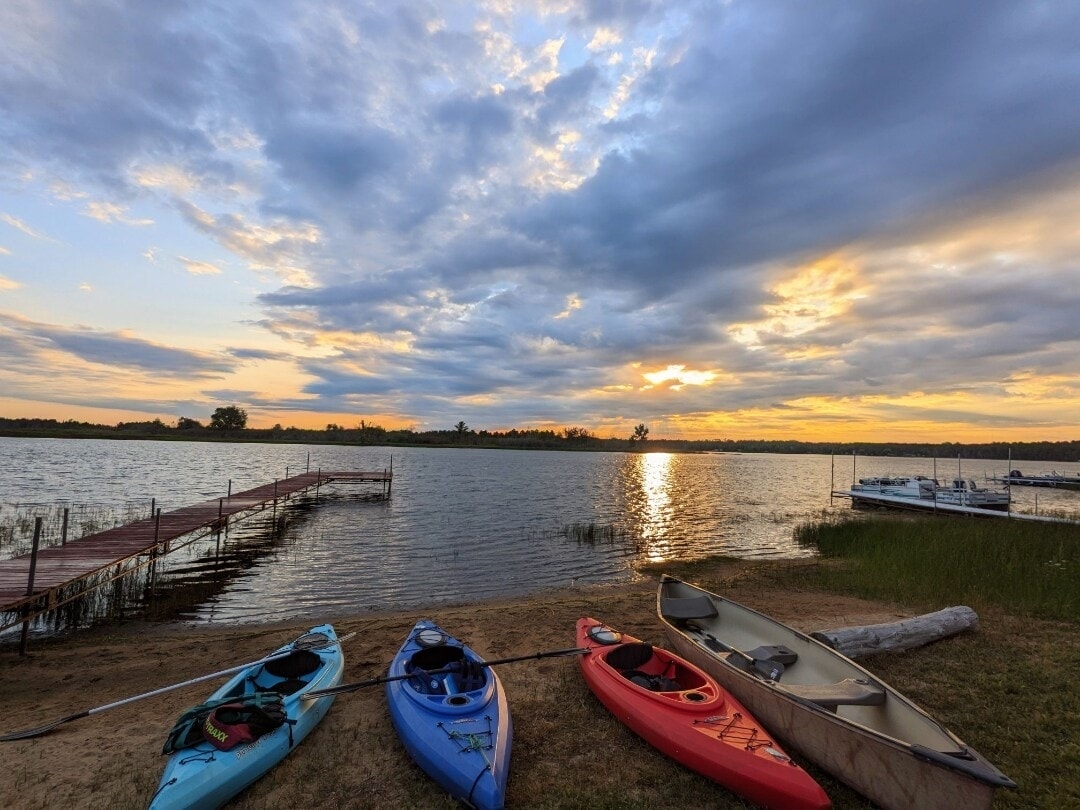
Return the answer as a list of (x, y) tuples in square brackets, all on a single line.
[(64, 528), (24, 642), (308, 468), (153, 506), (230, 488)]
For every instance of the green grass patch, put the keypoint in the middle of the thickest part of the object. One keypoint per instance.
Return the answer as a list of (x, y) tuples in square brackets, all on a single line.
[(1024, 568)]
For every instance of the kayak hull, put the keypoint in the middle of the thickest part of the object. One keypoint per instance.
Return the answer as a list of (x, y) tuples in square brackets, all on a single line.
[(684, 713), (203, 777), (829, 708), (455, 725)]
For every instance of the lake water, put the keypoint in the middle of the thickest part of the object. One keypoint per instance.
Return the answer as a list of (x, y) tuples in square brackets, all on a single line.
[(461, 525)]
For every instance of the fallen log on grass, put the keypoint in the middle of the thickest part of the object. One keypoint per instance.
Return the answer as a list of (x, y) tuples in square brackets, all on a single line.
[(857, 642)]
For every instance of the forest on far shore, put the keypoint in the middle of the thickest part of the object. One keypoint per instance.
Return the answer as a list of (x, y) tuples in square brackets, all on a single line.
[(570, 438)]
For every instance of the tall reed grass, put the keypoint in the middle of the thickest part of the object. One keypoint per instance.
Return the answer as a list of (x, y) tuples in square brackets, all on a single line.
[(1023, 568), (593, 534), (17, 522)]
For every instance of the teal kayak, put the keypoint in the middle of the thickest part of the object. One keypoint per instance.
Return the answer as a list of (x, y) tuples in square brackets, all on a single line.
[(199, 774), (452, 716)]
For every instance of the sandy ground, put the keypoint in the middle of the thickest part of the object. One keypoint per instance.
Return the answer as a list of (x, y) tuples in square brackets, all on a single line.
[(112, 759)]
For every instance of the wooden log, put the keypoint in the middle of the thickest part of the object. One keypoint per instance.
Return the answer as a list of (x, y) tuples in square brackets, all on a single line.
[(856, 642)]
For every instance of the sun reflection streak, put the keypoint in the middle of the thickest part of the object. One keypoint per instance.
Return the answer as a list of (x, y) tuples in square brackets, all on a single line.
[(650, 502)]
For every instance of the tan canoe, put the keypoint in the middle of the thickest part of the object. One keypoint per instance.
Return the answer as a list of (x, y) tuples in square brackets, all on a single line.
[(827, 707)]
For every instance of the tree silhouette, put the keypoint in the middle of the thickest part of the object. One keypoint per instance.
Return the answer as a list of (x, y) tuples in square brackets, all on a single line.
[(641, 433), (461, 428), (229, 417)]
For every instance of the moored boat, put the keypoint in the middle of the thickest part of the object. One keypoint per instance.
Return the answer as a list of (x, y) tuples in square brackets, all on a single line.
[(450, 712), (927, 491), (683, 712), (826, 706), (1057, 480), (250, 724)]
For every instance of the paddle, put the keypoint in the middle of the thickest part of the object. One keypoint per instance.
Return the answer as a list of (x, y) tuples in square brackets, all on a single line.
[(320, 642), (769, 670), (352, 687)]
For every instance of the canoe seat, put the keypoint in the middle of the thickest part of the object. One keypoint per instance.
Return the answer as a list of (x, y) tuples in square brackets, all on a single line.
[(777, 653), (687, 607), (848, 692)]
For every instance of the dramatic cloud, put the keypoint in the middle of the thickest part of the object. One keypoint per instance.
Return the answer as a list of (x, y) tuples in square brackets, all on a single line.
[(743, 218)]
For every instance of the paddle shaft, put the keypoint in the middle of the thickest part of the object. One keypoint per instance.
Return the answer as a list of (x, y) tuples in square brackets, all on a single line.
[(352, 687), (37, 732)]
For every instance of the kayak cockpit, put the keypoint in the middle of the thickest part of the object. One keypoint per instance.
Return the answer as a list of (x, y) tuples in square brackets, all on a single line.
[(289, 674), (652, 669), (445, 676)]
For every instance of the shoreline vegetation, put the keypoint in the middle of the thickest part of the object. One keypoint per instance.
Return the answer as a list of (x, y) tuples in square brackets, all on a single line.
[(1006, 688), (569, 438)]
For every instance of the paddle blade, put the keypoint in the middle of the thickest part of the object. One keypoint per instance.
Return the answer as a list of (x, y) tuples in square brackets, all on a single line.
[(769, 670), (41, 730)]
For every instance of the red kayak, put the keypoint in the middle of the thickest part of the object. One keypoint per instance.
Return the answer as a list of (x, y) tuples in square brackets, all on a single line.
[(677, 708)]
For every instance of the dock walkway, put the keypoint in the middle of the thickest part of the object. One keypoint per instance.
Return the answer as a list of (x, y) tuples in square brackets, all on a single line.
[(869, 498), (102, 557)]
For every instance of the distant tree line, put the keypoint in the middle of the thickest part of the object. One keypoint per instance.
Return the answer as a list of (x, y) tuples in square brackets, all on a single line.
[(229, 423)]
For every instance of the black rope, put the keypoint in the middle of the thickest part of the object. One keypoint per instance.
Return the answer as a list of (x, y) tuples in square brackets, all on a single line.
[(736, 732), (474, 744), (161, 787), (476, 782), (199, 755)]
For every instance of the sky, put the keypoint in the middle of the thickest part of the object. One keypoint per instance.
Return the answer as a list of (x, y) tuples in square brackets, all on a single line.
[(756, 219)]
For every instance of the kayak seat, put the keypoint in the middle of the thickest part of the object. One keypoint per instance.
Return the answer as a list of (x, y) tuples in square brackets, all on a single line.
[(471, 676), (848, 692), (436, 657), (293, 665), (654, 683), (287, 686), (687, 607), (629, 656)]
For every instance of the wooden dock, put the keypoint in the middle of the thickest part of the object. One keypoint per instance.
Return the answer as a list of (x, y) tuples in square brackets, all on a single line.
[(31, 585)]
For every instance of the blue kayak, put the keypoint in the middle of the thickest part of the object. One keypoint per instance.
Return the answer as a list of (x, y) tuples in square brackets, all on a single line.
[(199, 775), (451, 715)]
